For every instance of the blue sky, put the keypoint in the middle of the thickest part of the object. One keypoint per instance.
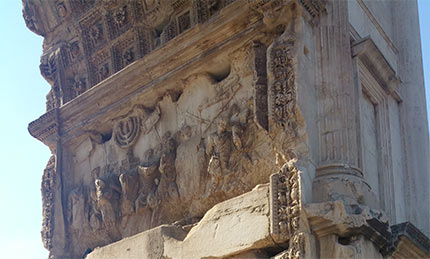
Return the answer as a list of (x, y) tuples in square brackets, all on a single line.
[(23, 158)]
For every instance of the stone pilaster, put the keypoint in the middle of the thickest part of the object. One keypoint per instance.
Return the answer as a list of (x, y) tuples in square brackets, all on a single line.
[(413, 114), (338, 175)]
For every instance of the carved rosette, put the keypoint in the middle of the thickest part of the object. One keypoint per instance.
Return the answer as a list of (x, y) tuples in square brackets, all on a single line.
[(282, 72), (48, 182), (99, 38), (285, 203)]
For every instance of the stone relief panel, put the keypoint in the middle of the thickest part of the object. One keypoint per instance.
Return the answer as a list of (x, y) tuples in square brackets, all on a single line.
[(174, 161)]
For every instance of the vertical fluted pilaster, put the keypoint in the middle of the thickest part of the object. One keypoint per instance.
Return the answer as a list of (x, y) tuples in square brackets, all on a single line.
[(338, 175), (337, 109)]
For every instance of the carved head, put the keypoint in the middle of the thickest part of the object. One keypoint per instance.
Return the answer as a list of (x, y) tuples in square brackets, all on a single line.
[(222, 125), (100, 184), (146, 171), (148, 155)]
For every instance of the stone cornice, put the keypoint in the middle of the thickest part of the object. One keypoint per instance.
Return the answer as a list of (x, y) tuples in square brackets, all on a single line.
[(336, 218), (154, 71), (46, 128), (399, 241), (407, 235)]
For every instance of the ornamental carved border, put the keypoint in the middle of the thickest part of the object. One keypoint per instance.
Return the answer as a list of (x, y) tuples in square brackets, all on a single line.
[(285, 202), (48, 188), (282, 83)]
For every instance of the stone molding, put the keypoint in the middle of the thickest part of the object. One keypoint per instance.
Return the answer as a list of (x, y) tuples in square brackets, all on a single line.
[(408, 242), (369, 54), (73, 114), (399, 241), (48, 199), (285, 203), (336, 218), (46, 128)]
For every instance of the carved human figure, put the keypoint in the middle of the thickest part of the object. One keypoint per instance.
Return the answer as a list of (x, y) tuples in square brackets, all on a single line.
[(95, 218), (168, 187), (219, 149), (76, 208), (153, 203), (129, 188), (107, 198), (148, 179)]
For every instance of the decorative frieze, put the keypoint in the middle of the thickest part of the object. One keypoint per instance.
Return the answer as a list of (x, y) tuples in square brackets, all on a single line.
[(282, 83), (46, 126), (48, 201), (285, 203)]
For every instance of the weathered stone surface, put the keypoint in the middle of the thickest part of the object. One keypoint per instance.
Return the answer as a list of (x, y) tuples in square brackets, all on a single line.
[(293, 124), (247, 216)]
